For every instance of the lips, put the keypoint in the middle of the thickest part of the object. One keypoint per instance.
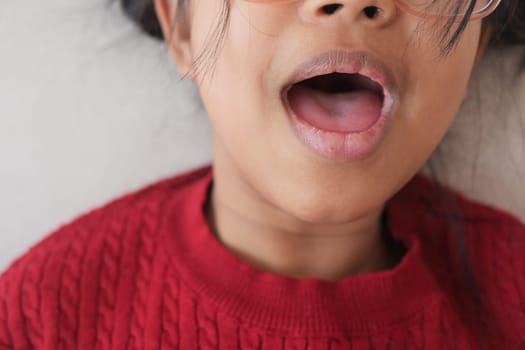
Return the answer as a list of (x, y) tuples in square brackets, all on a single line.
[(340, 103)]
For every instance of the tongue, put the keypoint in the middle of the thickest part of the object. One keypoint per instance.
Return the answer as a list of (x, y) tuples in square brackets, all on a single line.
[(352, 111)]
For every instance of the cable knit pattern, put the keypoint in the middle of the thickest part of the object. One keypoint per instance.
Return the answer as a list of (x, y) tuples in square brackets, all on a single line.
[(6, 341), (144, 272), (112, 251)]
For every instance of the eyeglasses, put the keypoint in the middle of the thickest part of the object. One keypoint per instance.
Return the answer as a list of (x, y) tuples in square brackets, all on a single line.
[(426, 9)]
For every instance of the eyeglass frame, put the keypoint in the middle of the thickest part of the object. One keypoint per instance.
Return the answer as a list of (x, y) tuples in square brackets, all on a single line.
[(486, 11)]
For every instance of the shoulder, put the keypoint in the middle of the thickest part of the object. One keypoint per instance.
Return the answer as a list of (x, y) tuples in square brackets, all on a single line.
[(125, 210), (488, 231), (64, 272), (476, 250), (497, 254), (493, 241), (444, 215), (120, 214)]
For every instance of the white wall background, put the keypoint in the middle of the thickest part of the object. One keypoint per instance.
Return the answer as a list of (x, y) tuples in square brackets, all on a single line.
[(90, 109)]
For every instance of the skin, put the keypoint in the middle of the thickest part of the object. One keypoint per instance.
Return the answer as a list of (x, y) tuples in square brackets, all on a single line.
[(274, 203)]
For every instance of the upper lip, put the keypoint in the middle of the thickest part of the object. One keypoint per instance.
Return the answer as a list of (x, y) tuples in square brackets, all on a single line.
[(341, 61)]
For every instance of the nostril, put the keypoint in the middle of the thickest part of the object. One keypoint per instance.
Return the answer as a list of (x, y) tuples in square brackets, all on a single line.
[(371, 11), (330, 9)]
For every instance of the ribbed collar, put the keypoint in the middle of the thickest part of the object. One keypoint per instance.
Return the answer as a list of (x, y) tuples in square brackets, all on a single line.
[(350, 305)]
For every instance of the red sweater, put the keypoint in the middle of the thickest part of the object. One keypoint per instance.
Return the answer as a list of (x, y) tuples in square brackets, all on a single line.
[(144, 272)]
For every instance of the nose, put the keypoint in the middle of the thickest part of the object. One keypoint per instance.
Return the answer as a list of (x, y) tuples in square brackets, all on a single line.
[(370, 12)]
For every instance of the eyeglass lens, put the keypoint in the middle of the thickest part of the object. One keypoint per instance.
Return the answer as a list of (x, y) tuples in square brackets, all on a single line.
[(433, 7), (447, 7)]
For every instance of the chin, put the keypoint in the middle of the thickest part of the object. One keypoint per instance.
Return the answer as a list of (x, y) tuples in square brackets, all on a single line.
[(322, 207)]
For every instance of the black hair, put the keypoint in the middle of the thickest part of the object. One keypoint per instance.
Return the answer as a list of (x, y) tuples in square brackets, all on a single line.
[(507, 28), (143, 13)]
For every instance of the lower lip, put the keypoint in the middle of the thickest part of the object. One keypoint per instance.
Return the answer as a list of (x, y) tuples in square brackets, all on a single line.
[(342, 146)]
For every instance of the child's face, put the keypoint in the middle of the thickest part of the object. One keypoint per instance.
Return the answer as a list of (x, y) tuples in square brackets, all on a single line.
[(253, 135)]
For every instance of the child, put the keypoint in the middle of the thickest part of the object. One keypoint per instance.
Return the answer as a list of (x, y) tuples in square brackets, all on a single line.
[(312, 229)]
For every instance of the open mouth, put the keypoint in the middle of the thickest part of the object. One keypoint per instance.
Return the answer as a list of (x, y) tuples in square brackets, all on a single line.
[(337, 102)]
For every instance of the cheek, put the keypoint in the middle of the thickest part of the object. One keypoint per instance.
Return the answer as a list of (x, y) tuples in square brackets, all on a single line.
[(436, 87), (237, 92)]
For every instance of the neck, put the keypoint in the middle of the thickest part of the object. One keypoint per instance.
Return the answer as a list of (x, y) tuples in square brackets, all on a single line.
[(274, 241)]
